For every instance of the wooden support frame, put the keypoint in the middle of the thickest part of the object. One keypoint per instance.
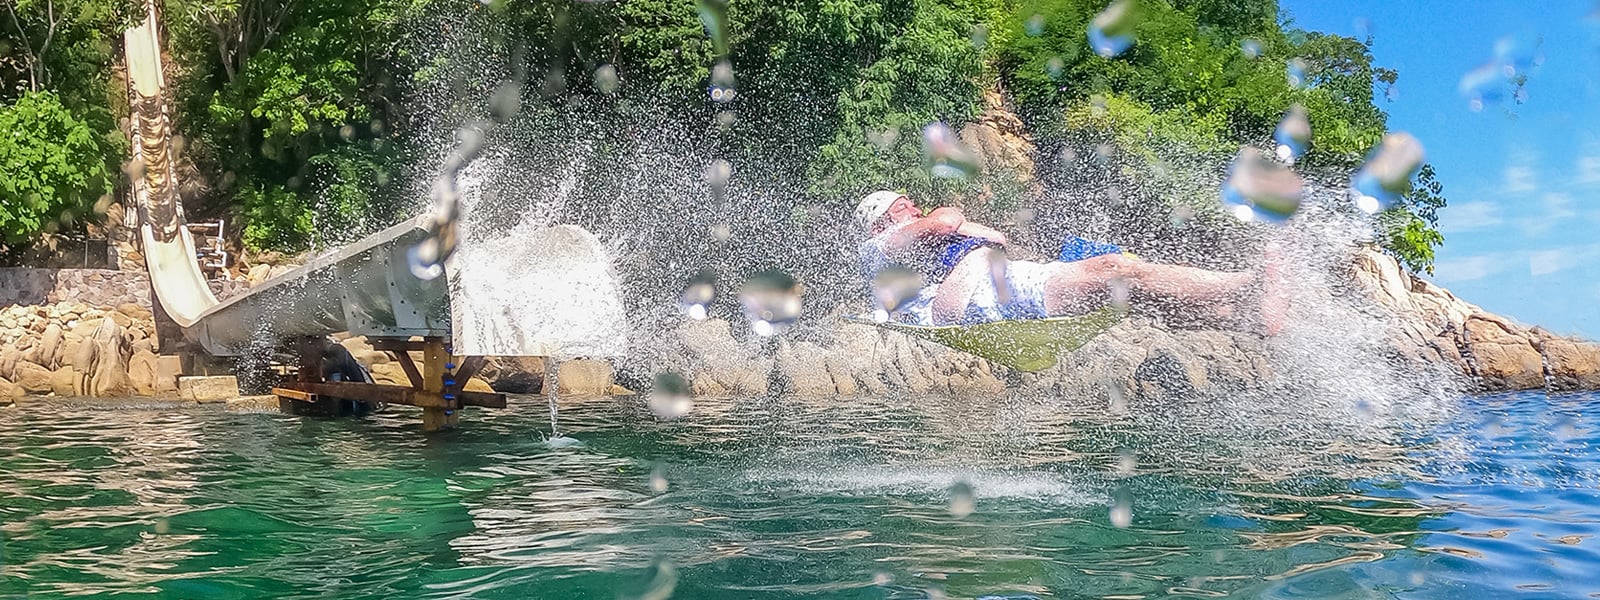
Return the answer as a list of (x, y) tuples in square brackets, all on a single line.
[(441, 404)]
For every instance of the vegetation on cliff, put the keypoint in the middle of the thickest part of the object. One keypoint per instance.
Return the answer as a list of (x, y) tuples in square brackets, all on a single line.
[(308, 117)]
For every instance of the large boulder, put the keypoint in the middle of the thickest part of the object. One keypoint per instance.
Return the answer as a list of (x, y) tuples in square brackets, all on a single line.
[(142, 372), (208, 388), (66, 381), (50, 346), (10, 391), (9, 357), (33, 378), (103, 358), (515, 374), (584, 377)]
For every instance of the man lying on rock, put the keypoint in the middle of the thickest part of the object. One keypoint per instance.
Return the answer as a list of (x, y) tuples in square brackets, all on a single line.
[(969, 279)]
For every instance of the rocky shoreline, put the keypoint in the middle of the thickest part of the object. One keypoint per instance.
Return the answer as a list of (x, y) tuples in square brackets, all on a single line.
[(72, 349)]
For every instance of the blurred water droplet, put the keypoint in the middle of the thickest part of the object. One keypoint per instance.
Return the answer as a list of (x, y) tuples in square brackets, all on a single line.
[(1069, 156), (726, 118), (162, 526), (1127, 462), (1293, 134), (663, 583), (714, 15), (658, 480), (944, 156), (505, 101), (882, 578), (1120, 291), (893, 287), (376, 126), (102, 205), (721, 232), (347, 133), (1053, 67), (1391, 92), (1034, 25), (961, 501), (1103, 153), (606, 80), (718, 172), (1418, 578), (980, 36), (1386, 177), (771, 301), (695, 301), (1024, 216), (423, 259), (1295, 70), (1117, 396), (670, 396), (1121, 513), (1482, 86), (999, 264), (1097, 105), (1180, 217), (884, 139), (722, 82), (1363, 26), (1258, 188), (1251, 48), (1111, 31)]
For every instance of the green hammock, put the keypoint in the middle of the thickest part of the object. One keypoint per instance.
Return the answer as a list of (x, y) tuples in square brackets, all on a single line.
[(1028, 346)]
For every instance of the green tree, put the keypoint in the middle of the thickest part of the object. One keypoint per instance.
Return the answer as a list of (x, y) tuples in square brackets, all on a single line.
[(55, 166), (1410, 230)]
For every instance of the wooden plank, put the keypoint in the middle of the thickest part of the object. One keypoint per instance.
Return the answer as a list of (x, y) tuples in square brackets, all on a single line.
[(294, 394), (398, 394), (433, 372), (466, 368)]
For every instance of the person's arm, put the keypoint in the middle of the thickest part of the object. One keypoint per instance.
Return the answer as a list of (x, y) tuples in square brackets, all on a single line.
[(944, 221), (973, 229)]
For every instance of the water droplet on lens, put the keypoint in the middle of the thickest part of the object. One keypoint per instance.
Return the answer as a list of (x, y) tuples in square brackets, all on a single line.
[(726, 118), (506, 101), (102, 205), (1295, 70), (1103, 153), (162, 526), (1127, 462), (771, 301), (980, 36), (714, 15), (721, 232), (658, 480), (1035, 25), (1258, 188), (717, 175), (1293, 134), (670, 396), (722, 82), (347, 133), (1117, 396), (423, 260), (1054, 66), (884, 139), (893, 287), (695, 301), (1111, 31), (1251, 48), (944, 156), (1121, 513), (1120, 291), (1386, 177), (882, 578), (961, 501), (605, 79)]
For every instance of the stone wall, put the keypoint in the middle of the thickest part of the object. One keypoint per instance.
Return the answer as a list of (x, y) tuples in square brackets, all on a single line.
[(93, 287)]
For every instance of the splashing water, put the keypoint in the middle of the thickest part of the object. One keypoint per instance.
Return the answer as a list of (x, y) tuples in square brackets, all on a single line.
[(670, 397), (1293, 135), (1251, 48), (944, 157), (771, 301), (1259, 189), (718, 173), (1111, 31), (1386, 177)]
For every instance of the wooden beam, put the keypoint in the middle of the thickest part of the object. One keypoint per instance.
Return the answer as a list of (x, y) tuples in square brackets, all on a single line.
[(466, 368), (412, 374), (389, 394), (435, 418), (397, 344)]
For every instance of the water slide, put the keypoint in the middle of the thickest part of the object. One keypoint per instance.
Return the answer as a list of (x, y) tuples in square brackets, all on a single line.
[(367, 287)]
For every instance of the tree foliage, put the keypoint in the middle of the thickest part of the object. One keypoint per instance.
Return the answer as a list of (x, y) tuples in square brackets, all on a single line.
[(54, 164)]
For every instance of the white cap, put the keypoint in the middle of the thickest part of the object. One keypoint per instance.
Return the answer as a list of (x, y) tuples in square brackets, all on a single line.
[(873, 206)]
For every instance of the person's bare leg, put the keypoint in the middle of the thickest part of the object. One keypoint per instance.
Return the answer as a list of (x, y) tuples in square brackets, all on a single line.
[(1082, 286)]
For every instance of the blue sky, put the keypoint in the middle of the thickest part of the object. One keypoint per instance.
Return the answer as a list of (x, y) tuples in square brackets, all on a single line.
[(1522, 230)]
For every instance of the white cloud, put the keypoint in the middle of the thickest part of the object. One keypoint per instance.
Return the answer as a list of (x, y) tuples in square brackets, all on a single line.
[(1468, 269), (1588, 170), (1469, 216), (1519, 179), (1556, 260), (1554, 208), (1544, 263)]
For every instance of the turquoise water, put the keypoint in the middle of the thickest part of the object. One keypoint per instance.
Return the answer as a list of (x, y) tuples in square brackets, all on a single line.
[(778, 498)]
